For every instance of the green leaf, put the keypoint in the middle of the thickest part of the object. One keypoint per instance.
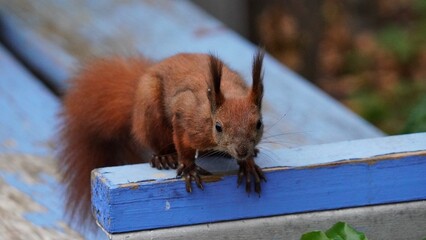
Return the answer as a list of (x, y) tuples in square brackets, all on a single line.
[(340, 231), (343, 231), (315, 235)]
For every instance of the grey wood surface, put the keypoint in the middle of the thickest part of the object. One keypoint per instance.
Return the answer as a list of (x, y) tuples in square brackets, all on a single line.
[(404, 221)]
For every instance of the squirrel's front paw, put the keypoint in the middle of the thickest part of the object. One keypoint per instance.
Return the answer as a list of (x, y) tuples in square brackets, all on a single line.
[(249, 170), (191, 172), (164, 161)]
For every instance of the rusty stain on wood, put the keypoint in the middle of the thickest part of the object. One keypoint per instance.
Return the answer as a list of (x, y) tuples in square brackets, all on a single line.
[(370, 161), (212, 178)]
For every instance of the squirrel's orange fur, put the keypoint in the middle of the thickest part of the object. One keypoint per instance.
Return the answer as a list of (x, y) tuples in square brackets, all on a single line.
[(121, 110)]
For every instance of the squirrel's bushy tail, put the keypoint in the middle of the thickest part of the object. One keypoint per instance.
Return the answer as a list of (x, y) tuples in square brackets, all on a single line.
[(96, 128)]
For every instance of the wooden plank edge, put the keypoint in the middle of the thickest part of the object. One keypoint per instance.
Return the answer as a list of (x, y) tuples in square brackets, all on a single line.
[(384, 179), (286, 157)]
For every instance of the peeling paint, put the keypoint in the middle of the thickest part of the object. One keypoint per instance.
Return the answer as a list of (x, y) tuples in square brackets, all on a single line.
[(168, 206)]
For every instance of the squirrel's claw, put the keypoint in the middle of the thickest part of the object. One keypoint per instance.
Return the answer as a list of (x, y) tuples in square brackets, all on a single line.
[(164, 161), (249, 170), (191, 173)]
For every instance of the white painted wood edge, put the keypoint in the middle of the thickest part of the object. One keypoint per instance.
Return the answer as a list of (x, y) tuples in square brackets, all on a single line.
[(305, 156), (321, 154)]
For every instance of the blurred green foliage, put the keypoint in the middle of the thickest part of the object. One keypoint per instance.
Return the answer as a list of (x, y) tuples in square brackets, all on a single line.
[(399, 41), (417, 118), (390, 72), (373, 60)]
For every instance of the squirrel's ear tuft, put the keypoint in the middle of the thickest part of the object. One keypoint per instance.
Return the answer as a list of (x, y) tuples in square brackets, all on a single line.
[(257, 72), (214, 94)]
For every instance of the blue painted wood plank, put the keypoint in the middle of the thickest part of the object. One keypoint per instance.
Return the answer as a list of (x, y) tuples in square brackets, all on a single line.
[(128, 198), (28, 110), (28, 124), (158, 29), (48, 59)]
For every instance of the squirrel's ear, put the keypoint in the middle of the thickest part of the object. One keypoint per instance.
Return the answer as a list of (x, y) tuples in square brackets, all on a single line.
[(214, 94), (257, 72)]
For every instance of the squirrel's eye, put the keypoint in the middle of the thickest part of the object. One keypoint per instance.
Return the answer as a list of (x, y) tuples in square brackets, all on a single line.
[(259, 124), (218, 127)]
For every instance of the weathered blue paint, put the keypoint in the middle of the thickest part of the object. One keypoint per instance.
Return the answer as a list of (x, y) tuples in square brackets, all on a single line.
[(46, 193), (28, 123), (28, 110), (136, 197), (50, 60), (27, 120)]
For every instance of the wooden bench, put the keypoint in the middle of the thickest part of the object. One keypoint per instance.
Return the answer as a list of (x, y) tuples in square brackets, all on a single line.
[(54, 37), (311, 178), (30, 200)]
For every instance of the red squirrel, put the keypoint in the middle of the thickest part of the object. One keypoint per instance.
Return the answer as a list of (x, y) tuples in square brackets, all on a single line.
[(122, 110)]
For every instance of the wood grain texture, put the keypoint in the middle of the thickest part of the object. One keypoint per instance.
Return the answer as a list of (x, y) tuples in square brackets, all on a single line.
[(127, 198), (57, 36)]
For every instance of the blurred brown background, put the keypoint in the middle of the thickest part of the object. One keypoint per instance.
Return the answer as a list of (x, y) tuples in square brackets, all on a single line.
[(370, 55)]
